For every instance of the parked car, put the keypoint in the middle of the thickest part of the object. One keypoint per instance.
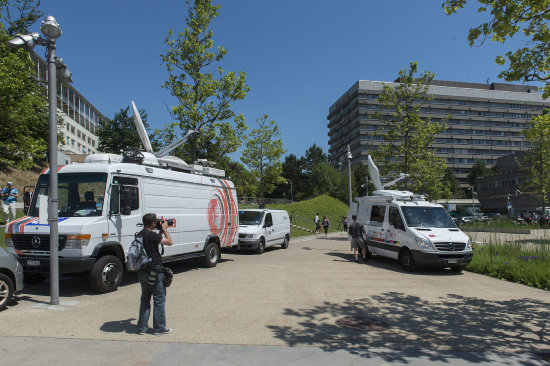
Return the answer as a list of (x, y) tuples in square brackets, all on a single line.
[(11, 277), (466, 219)]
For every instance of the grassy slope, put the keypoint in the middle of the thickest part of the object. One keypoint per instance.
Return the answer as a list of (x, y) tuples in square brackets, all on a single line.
[(303, 212)]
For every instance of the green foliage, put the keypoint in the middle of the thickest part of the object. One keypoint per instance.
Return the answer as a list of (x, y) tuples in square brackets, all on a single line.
[(326, 180), (451, 185), (119, 133), (359, 174), (313, 156), (293, 171), (23, 105), (514, 263), (537, 160), (409, 138), (245, 182), (263, 152), (507, 18), (302, 213), (479, 170), (204, 92)]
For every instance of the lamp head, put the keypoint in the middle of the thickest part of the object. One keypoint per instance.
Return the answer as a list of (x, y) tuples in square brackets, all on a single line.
[(26, 41), (50, 28)]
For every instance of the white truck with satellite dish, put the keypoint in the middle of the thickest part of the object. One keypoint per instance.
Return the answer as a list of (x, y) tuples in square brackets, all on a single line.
[(101, 204), (403, 226)]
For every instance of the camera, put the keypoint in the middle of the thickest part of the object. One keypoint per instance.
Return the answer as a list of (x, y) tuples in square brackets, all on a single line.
[(170, 222)]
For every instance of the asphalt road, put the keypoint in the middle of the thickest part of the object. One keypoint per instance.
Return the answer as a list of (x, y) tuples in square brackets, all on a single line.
[(298, 298)]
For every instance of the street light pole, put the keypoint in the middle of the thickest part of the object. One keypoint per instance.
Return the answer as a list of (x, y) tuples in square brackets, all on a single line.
[(291, 195), (349, 156), (50, 29)]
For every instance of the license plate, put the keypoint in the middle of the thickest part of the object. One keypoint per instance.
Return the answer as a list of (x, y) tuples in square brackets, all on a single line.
[(452, 260), (33, 263)]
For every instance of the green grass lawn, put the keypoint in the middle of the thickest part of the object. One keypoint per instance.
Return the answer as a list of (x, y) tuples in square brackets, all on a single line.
[(302, 213), (513, 262), (502, 223)]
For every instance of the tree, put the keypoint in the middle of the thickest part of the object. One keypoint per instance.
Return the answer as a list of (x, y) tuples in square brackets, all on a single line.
[(204, 96), (359, 174), (327, 180), (537, 159), (23, 105), (408, 138), (263, 152), (245, 183), (313, 156), (451, 185), (508, 18), (120, 133), (479, 170), (293, 171)]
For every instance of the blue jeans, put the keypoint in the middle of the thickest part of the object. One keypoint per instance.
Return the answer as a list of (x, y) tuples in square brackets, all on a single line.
[(158, 291)]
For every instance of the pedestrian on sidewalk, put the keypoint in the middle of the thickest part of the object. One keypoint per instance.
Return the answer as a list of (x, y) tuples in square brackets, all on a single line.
[(317, 223), (356, 231), (151, 242), (326, 224), (345, 223), (9, 198)]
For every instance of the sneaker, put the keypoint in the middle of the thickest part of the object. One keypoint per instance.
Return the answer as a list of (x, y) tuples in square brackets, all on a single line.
[(163, 331), (356, 261), (142, 332)]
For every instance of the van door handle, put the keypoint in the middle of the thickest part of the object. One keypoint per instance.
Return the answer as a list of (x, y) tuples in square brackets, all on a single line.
[(140, 224)]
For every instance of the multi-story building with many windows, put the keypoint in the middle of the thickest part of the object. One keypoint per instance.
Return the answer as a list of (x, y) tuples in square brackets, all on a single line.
[(486, 121), (80, 117)]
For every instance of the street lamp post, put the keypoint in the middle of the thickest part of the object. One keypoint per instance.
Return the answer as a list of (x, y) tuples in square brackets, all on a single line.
[(349, 156), (291, 194), (50, 29), (473, 202)]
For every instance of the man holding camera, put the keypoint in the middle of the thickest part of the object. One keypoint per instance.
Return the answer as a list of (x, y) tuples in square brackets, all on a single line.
[(151, 242), (9, 197)]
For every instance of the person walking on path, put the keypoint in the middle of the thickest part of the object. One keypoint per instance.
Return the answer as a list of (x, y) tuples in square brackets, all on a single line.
[(317, 223), (155, 274), (326, 224), (356, 231), (345, 223), (9, 197)]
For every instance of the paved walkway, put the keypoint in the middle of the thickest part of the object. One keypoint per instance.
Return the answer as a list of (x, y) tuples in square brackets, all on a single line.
[(286, 307)]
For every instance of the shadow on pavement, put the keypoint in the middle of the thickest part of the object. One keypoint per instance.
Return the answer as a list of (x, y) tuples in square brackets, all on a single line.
[(453, 323), (120, 326)]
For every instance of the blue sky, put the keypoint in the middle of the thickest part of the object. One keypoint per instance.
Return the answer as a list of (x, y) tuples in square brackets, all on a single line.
[(300, 56)]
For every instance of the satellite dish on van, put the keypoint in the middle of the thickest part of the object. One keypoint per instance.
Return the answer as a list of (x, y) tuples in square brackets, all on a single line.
[(375, 176), (166, 150), (142, 132)]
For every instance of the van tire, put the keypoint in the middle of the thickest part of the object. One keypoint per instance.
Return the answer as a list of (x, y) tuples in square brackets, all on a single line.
[(211, 255), (106, 274), (261, 246), (406, 260), (33, 278), (6, 290), (285, 242)]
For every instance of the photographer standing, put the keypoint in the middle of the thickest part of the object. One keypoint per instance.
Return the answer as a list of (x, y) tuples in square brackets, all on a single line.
[(155, 275)]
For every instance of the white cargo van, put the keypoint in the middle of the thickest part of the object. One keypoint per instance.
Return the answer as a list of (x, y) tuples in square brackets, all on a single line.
[(403, 226), (259, 229), (101, 205)]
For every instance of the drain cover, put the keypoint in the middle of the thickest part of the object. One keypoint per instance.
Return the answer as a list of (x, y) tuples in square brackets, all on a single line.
[(361, 323)]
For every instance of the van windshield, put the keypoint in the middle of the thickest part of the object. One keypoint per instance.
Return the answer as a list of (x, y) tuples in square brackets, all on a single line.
[(250, 217), (80, 194), (427, 217)]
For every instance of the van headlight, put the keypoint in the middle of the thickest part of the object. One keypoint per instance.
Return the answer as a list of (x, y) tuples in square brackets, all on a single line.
[(469, 244), (424, 243), (77, 241), (9, 240)]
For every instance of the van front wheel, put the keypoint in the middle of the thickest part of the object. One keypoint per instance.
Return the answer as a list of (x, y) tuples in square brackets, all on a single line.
[(261, 246), (406, 260), (106, 274), (211, 255)]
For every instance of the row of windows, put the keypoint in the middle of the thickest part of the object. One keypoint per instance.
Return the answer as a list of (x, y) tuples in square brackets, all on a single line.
[(75, 144), (472, 103), (440, 140), (459, 131), (81, 135), (469, 161)]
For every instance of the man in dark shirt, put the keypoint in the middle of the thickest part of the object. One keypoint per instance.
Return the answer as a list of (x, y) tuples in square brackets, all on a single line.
[(151, 242), (356, 231)]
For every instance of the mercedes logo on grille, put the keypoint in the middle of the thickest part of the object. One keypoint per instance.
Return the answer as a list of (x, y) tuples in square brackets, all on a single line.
[(35, 241), (451, 246)]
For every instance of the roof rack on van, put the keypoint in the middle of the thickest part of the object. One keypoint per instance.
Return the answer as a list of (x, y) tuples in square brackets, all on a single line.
[(382, 196)]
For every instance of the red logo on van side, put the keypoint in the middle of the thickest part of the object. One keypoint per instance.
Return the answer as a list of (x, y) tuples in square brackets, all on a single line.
[(215, 216)]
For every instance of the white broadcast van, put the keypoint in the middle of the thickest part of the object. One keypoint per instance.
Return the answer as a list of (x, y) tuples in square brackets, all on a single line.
[(101, 205), (403, 226), (259, 229)]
